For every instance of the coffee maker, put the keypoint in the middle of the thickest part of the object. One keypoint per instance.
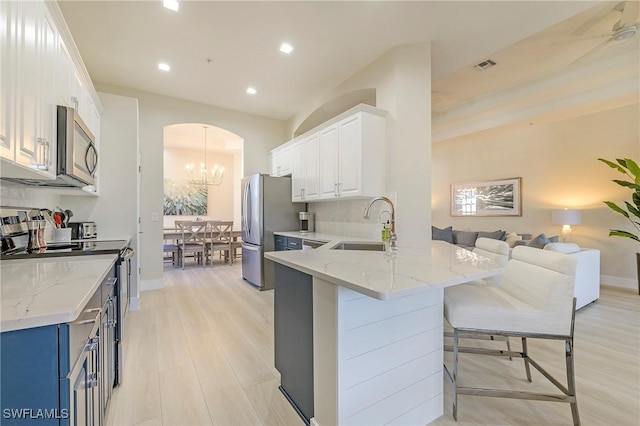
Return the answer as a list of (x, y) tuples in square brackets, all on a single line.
[(306, 222)]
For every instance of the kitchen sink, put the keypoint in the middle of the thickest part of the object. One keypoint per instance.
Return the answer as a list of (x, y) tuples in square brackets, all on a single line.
[(359, 245)]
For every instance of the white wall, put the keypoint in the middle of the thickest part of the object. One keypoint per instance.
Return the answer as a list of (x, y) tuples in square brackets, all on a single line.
[(402, 79), (220, 200), (116, 209), (260, 136), (558, 165)]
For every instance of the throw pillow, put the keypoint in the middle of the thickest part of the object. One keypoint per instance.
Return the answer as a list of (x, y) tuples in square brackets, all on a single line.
[(496, 235), (566, 248), (465, 238), (540, 241), (553, 239), (512, 238), (445, 234), (520, 243)]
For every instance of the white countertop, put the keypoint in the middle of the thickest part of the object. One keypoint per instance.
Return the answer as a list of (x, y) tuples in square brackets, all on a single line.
[(39, 292), (385, 275)]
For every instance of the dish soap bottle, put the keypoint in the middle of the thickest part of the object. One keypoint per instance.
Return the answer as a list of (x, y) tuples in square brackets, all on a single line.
[(386, 233)]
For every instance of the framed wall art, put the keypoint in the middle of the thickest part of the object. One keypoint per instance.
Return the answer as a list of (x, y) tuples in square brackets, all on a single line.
[(183, 197), (487, 198)]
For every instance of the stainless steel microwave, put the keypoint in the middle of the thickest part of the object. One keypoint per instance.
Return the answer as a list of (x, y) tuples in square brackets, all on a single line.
[(77, 153)]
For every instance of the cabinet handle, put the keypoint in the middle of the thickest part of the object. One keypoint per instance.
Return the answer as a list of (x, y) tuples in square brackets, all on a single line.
[(74, 101), (43, 154), (302, 193), (339, 188), (92, 383), (335, 189)]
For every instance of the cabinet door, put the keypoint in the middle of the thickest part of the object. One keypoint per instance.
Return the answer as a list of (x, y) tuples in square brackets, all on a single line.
[(285, 161), (8, 22), (65, 75), (297, 153), (328, 161), (80, 407), (47, 113), (350, 156), (27, 32), (311, 161)]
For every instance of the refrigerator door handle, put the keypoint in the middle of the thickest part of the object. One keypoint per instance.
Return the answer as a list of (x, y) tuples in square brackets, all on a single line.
[(249, 207), (250, 247), (244, 209)]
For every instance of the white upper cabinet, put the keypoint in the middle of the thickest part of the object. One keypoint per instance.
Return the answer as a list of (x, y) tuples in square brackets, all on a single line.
[(312, 168), (328, 154), (7, 77), (281, 160), (352, 157), (32, 108), (304, 169), (298, 152), (37, 74)]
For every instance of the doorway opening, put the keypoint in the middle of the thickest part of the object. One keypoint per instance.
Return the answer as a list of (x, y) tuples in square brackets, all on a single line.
[(203, 167)]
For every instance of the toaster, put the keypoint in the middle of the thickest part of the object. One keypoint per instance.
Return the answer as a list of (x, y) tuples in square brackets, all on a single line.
[(83, 230)]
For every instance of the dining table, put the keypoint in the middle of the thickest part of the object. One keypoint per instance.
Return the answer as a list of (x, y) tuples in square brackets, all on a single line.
[(175, 236)]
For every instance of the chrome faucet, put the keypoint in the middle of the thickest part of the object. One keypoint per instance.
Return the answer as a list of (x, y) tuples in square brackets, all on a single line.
[(394, 237)]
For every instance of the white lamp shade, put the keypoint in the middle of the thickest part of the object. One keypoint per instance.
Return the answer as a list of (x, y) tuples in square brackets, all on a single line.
[(565, 217)]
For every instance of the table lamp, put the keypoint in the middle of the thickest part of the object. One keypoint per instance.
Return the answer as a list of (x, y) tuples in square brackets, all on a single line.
[(566, 218)]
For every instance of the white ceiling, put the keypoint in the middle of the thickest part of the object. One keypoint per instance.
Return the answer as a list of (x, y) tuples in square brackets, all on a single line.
[(122, 42), (192, 136)]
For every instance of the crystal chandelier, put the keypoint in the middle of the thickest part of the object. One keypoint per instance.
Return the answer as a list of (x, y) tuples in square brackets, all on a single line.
[(215, 177)]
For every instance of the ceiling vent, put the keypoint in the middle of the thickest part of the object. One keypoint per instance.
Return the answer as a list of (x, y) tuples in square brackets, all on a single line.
[(484, 65)]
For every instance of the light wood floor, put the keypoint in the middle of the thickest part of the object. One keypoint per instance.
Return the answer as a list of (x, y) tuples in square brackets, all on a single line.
[(200, 351)]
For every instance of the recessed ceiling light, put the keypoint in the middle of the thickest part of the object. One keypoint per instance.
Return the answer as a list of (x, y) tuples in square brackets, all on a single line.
[(251, 90), (171, 4), (286, 48), (164, 67)]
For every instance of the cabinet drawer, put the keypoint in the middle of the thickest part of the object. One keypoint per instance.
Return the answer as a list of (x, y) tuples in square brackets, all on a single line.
[(294, 243), (280, 240)]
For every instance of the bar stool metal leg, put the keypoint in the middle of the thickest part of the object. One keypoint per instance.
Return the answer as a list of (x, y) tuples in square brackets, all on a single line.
[(525, 354)]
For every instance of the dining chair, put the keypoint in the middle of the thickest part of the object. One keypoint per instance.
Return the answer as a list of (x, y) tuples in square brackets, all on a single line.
[(219, 239), (534, 301), (170, 246), (193, 239)]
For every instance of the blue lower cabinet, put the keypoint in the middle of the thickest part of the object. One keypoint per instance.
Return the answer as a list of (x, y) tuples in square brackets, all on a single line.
[(29, 377)]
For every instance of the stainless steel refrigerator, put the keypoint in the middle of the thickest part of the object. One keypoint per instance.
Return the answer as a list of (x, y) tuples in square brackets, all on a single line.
[(266, 207)]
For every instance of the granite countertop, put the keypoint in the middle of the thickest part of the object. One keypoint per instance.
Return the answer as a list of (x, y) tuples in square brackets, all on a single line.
[(387, 275), (39, 292)]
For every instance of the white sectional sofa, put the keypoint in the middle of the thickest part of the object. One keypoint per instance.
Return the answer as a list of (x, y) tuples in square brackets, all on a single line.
[(587, 286)]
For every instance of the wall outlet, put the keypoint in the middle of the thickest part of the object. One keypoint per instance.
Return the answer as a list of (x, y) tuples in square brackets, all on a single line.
[(155, 217)]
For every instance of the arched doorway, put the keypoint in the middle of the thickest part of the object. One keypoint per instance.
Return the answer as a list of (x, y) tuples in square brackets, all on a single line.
[(201, 183)]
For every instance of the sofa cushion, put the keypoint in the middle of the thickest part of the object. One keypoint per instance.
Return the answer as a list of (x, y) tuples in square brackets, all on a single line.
[(512, 238), (566, 248), (539, 242), (465, 238), (445, 234), (495, 235)]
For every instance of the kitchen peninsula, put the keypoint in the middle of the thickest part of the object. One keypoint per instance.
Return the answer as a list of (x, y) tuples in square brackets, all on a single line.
[(377, 328)]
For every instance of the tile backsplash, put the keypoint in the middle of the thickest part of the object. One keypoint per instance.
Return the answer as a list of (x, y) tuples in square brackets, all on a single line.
[(27, 197), (346, 218)]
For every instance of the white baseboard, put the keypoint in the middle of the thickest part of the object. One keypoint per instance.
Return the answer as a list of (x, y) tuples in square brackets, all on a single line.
[(147, 285), (134, 304), (618, 282)]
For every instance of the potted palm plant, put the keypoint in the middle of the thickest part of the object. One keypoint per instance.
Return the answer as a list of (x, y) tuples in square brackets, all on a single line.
[(631, 169)]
